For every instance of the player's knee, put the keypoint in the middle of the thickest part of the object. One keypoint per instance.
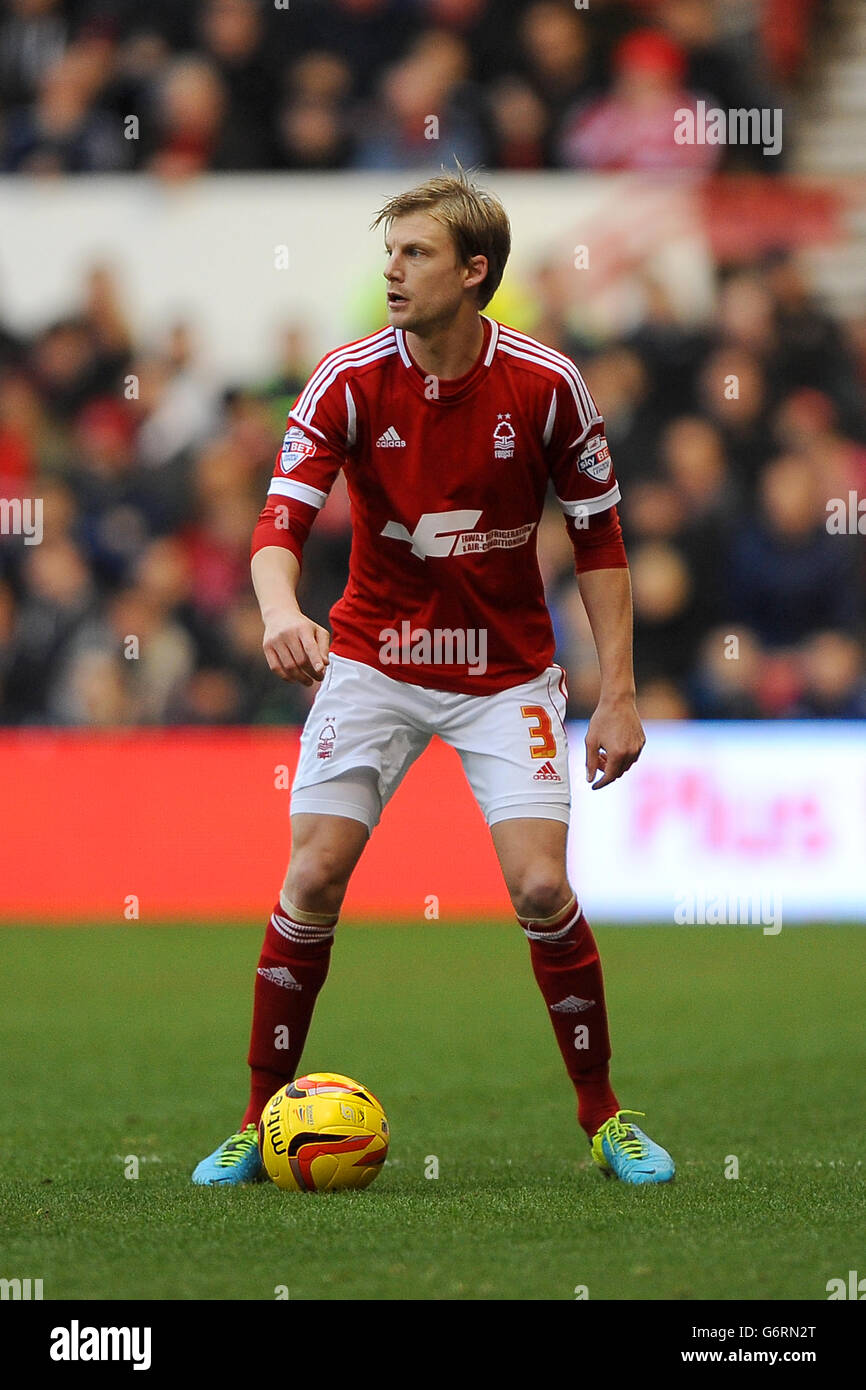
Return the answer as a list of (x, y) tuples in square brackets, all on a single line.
[(541, 891), (316, 882)]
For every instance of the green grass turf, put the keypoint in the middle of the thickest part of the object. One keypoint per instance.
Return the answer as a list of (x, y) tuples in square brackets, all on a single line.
[(132, 1041)]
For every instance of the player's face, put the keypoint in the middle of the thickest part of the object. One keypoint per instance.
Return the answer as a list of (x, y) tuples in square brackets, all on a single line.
[(426, 282)]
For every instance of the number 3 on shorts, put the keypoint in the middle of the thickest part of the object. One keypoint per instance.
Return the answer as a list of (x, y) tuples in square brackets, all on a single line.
[(543, 743)]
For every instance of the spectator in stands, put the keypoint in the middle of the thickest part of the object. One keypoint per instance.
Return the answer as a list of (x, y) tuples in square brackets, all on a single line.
[(787, 577), (133, 657), (813, 350), (114, 512), (692, 457), (808, 421), (834, 684), (176, 407), (234, 39), (726, 681), (725, 74), (370, 34), (671, 350), (33, 38), (65, 130), (618, 377), (56, 594), (69, 365), (734, 394), (97, 694), (632, 127), (426, 105), (519, 126), (313, 124), (555, 59), (293, 366), (746, 315), (666, 627), (226, 105), (20, 428), (193, 129), (662, 699), (217, 546), (489, 28)]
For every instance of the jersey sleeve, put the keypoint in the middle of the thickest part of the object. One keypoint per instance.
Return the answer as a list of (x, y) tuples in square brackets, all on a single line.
[(581, 470), (320, 431)]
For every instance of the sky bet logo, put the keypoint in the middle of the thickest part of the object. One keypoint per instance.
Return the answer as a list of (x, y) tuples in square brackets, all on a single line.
[(453, 533)]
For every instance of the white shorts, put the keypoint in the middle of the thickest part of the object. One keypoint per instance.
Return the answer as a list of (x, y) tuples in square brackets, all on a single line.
[(365, 731)]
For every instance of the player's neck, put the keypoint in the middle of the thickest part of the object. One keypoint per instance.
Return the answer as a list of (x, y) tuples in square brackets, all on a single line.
[(449, 352)]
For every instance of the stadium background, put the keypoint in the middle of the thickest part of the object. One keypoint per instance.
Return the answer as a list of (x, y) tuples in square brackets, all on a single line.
[(208, 261), (163, 297)]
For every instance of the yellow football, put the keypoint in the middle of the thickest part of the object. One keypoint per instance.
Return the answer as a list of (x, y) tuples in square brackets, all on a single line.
[(323, 1132)]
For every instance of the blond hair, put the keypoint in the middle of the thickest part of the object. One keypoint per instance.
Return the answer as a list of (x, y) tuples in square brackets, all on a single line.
[(476, 219)]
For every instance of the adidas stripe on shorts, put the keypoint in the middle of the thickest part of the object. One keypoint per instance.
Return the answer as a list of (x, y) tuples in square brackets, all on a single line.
[(365, 730)]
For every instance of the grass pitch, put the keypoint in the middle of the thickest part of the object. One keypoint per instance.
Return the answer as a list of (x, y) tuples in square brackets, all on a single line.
[(130, 1042)]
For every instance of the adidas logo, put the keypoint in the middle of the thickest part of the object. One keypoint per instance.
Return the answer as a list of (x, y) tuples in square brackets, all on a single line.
[(390, 440), (572, 1005), (279, 975), (547, 773)]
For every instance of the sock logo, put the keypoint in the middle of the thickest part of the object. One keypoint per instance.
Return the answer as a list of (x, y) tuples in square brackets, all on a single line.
[(572, 1005), (279, 975)]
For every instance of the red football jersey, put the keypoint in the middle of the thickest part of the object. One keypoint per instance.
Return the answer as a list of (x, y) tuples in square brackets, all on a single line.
[(447, 480)]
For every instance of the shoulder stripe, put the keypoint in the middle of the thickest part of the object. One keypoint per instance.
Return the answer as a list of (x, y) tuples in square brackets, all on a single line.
[(520, 344), (342, 356), (555, 359), (339, 357), (313, 394), (373, 340), (533, 345), (585, 422)]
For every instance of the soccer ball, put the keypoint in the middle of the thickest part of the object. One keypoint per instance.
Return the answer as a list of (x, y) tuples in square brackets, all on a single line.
[(322, 1132)]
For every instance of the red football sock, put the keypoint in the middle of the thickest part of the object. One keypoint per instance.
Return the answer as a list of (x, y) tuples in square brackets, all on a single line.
[(292, 968), (568, 970)]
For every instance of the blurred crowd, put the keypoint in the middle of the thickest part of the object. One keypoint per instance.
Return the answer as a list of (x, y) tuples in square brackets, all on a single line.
[(137, 608), (729, 445), (174, 89)]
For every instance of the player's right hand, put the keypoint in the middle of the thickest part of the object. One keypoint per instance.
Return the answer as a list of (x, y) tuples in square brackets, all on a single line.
[(296, 648)]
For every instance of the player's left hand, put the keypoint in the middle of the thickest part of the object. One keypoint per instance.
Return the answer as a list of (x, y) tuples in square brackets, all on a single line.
[(613, 740)]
